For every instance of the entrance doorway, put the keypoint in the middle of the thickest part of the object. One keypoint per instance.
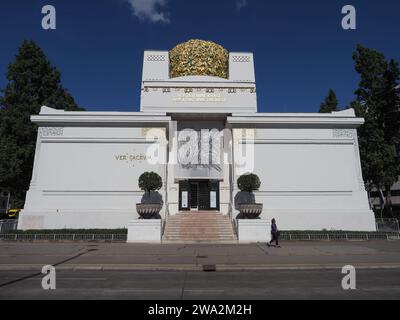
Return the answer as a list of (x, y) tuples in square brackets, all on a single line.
[(199, 195)]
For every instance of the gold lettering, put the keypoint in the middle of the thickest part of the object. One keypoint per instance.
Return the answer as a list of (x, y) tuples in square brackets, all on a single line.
[(132, 157)]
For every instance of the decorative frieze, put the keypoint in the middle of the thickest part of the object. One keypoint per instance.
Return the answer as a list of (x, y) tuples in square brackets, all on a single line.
[(241, 59), (159, 133), (51, 131), (158, 58), (344, 133), (199, 90)]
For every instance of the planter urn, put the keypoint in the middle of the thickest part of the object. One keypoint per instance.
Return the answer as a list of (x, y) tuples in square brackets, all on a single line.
[(251, 211), (148, 211)]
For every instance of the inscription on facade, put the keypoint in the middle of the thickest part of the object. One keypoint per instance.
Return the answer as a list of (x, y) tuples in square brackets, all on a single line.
[(199, 97), (132, 157)]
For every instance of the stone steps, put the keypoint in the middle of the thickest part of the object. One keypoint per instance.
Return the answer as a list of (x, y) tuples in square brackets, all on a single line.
[(199, 227)]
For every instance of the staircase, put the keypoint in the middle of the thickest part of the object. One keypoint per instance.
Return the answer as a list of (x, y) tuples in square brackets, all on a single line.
[(199, 227)]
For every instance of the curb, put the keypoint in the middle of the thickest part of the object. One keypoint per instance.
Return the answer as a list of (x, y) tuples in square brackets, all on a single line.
[(189, 267)]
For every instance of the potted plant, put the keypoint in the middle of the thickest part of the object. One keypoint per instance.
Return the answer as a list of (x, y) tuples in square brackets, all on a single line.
[(249, 183), (151, 204)]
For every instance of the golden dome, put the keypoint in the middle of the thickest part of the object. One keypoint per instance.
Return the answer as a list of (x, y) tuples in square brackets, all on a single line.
[(199, 58)]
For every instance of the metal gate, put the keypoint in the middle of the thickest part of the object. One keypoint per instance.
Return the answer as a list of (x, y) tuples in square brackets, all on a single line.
[(8, 225), (387, 225)]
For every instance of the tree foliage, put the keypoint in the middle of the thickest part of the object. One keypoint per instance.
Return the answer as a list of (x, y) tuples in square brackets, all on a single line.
[(32, 83), (330, 104), (378, 102)]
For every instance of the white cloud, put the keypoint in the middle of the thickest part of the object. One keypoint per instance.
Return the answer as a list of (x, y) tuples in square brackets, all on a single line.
[(150, 10), (240, 4)]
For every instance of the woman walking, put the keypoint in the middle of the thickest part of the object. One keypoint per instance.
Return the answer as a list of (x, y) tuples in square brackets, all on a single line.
[(274, 233)]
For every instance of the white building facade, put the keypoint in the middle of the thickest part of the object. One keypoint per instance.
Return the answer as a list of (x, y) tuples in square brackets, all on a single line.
[(87, 164)]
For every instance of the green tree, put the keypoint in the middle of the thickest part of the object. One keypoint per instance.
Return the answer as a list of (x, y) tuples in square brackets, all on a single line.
[(330, 103), (378, 102), (32, 82)]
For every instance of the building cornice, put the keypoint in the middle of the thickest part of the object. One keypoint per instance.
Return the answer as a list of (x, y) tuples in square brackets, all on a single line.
[(48, 117), (296, 120)]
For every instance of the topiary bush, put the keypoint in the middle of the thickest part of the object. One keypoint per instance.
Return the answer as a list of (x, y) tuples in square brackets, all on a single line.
[(249, 183), (150, 181)]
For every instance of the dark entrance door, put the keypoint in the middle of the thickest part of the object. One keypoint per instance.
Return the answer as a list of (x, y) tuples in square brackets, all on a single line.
[(199, 195), (194, 195), (204, 196)]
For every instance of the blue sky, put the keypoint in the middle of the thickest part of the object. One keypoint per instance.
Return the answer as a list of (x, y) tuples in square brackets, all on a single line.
[(300, 48)]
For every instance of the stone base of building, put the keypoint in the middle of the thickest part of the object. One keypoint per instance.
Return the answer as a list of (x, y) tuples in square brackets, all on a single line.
[(145, 231), (253, 230), (318, 219), (75, 219), (287, 219)]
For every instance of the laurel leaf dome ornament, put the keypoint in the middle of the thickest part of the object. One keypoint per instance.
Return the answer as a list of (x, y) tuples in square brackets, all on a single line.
[(199, 58)]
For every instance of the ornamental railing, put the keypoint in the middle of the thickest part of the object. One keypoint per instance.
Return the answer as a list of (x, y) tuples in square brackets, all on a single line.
[(123, 237), (64, 237), (8, 225), (338, 236)]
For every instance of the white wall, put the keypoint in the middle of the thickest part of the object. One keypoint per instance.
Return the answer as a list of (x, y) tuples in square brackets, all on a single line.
[(87, 177), (311, 178)]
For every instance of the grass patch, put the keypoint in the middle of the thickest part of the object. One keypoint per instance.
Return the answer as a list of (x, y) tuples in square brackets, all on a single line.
[(73, 231), (298, 232)]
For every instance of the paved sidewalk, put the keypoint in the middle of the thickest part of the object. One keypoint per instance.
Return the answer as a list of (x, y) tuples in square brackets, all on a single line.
[(192, 257)]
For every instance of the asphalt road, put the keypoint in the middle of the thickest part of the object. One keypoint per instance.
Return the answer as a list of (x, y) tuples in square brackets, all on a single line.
[(183, 285), (192, 257)]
